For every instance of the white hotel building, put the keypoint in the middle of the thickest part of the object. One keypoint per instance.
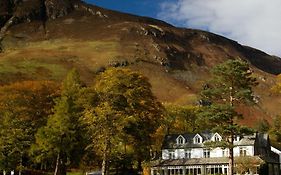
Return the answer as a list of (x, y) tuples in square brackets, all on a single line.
[(184, 154)]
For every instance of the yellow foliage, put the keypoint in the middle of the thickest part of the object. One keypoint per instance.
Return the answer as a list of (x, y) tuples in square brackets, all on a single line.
[(146, 170), (277, 87)]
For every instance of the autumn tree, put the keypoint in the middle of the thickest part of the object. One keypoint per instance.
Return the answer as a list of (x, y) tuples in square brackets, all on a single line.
[(61, 136), (123, 115), (262, 126), (247, 163), (277, 87), (180, 119), (230, 86), (24, 107), (275, 131)]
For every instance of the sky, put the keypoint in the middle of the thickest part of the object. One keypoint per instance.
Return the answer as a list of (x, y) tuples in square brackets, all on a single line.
[(256, 23)]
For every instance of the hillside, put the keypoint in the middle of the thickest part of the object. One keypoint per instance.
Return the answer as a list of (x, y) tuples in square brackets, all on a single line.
[(43, 39)]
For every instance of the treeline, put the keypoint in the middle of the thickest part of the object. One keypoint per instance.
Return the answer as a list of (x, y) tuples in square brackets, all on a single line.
[(116, 123)]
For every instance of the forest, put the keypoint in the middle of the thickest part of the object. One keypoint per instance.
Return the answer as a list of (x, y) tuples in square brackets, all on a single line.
[(116, 124)]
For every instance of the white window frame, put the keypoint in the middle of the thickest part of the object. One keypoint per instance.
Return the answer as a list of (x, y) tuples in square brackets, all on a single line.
[(206, 153), (180, 140), (187, 153), (243, 151), (225, 152), (197, 139), (217, 137), (172, 154)]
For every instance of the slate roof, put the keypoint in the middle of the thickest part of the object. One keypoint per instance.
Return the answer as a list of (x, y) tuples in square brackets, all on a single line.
[(171, 143), (170, 140)]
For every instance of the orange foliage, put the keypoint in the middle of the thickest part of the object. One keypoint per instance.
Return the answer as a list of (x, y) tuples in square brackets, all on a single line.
[(28, 100)]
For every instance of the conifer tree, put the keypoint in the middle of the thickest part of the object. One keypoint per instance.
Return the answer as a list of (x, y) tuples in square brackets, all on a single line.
[(60, 136), (230, 86)]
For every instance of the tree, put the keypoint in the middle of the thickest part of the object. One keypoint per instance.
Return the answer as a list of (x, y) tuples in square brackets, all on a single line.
[(124, 115), (262, 126), (247, 163), (277, 87), (180, 119), (24, 107), (59, 138), (230, 86), (275, 132)]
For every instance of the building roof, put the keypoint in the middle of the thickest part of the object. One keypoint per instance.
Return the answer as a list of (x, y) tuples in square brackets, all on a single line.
[(170, 141), (196, 161)]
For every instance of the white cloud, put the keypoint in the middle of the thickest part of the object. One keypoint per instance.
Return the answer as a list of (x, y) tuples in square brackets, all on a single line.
[(256, 23)]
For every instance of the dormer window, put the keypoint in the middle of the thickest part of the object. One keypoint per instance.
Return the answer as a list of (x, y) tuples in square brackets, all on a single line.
[(236, 138), (197, 139), (180, 140), (216, 137)]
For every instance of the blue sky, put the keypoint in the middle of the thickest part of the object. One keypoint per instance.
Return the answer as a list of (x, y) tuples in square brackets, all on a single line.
[(255, 23), (138, 7)]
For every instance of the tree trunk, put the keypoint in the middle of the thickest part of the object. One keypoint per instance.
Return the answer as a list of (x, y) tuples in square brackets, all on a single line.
[(4, 172), (231, 157), (20, 170), (231, 154), (57, 164), (105, 166), (63, 159)]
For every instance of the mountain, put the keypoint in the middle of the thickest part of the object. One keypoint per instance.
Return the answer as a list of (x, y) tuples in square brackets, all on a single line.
[(43, 39)]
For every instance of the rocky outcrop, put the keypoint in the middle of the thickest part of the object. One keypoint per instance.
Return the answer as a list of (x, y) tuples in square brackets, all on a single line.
[(18, 11), (5, 11), (5, 7), (28, 10), (58, 8)]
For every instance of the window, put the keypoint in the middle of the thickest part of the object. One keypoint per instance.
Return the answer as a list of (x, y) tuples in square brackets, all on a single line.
[(197, 139), (217, 138), (243, 151), (180, 140), (187, 154), (225, 153), (236, 138), (175, 171), (206, 153), (172, 155)]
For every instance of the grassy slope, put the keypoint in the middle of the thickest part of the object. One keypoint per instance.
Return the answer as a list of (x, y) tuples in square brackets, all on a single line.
[(89, 43), (52, 59)]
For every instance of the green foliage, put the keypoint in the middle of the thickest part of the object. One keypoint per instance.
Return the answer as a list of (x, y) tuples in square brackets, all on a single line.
[(277, 87), (16, 138), (275, 131), (230, 86), (181, 119), (230, 79), (61, 136), (23, 109), (123, 115), (262, 126)]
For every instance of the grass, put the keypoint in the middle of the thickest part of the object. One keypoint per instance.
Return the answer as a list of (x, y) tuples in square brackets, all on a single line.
[(52, 59), (32, 68), (75, 173)]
